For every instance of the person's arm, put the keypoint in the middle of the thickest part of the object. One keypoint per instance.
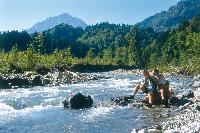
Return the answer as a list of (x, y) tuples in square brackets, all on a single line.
[(140, 86), (136, 89)]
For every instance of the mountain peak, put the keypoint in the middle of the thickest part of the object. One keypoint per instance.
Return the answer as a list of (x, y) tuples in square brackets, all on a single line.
[(56, 20)]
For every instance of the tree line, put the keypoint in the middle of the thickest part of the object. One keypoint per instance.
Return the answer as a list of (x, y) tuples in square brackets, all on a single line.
[(104, 44)]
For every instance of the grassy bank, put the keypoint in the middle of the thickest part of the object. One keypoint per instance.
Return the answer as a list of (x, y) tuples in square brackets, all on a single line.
[(29, 60)]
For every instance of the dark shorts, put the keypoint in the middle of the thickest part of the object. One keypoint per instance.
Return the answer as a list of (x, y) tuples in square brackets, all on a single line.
[(146, 91), (153, 92)]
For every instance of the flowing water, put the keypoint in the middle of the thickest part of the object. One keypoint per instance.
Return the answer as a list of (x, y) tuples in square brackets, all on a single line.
[(39, 109)]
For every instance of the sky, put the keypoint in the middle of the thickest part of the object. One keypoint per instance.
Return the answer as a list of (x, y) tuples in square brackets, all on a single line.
[(22, 14)]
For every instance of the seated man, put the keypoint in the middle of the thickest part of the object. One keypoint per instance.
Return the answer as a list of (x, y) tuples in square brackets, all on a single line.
[(149, 87), (163, 86)]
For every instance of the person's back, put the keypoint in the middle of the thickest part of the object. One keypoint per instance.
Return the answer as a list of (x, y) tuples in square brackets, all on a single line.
[(163, 86), (160, 78)]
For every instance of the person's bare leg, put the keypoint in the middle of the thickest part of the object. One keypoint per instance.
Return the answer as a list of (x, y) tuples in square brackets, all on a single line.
[(170, 92), (162, 93), (150, 98), (167, 94)]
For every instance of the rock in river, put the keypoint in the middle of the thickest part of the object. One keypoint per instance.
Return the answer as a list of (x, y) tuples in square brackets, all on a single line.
[(78, 101), (123, 100)]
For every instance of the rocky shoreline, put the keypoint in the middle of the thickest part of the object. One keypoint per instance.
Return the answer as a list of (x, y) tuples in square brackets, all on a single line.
[(187, 118), (44, 76), (31, 79)]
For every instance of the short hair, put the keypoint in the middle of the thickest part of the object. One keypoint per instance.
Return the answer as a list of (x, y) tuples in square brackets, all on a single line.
[(145, 71), (155, 70)]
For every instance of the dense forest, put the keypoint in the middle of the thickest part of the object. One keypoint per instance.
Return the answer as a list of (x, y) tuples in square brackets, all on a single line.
[(103, 44)]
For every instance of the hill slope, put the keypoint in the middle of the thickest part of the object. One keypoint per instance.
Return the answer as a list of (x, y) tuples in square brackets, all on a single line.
[(56, 20), (184, 10)]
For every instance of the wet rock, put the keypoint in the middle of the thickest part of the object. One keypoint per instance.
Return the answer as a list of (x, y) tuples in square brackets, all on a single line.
[(4, 82), (46, 81), (42, 70), (36, 80), (73, 77), (189, 94), (158, 127), (198, 107), (66, 104), (78, 101), (124, 100), (139, 131), (175, 101), (29, 79), (19, 81)]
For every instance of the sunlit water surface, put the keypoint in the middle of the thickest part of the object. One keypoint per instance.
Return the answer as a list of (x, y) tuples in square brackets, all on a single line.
[(39, 109)]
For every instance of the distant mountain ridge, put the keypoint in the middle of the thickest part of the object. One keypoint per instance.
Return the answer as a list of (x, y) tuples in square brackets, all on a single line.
[(56, 20), (184, 10)]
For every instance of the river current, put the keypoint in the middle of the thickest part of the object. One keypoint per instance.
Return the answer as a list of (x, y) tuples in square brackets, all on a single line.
[(39, 109)]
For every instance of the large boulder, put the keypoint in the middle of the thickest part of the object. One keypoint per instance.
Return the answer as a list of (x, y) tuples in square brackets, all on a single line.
[(78, 101)]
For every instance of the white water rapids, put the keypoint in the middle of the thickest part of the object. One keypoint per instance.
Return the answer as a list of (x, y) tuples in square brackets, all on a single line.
[(39, 109)]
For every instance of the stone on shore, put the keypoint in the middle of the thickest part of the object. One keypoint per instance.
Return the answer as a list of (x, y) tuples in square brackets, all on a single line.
[(36, 80), (3, 82), (30, 79), (42, 70)]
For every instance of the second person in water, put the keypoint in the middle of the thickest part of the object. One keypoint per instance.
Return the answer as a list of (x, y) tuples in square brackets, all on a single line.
[(156, 88)]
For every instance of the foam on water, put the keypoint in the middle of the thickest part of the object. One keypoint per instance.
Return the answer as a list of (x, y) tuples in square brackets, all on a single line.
[(119, 83), (95, 113), (5, 107), (41, 106)]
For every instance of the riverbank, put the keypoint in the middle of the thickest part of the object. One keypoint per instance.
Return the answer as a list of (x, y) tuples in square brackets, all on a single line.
[(177, 123), (42, 75), (38, 109), (31, 79), (187, 120)]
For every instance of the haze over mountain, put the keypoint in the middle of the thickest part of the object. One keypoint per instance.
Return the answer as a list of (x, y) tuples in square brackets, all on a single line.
[(184, 10), (56, 20)]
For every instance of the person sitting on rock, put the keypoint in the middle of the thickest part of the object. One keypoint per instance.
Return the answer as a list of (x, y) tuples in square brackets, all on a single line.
[(149, 87), (163, 86)]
